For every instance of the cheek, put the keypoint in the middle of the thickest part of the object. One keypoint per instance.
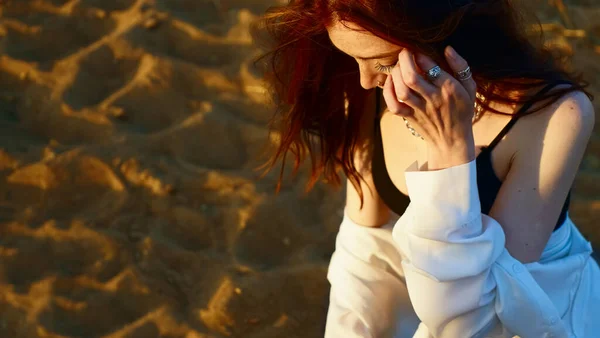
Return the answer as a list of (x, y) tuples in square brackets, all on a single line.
[(366, 69)]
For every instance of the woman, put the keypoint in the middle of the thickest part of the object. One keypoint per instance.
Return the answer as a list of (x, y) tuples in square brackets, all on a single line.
[(453, 226)]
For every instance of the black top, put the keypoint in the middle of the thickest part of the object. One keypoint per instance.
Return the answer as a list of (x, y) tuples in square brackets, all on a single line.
[(487, 182)]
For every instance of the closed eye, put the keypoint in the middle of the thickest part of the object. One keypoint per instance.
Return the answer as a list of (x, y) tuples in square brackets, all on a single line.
[(384, 69)]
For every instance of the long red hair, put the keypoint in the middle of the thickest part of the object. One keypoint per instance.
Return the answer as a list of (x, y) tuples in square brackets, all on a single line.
[(317, 89)]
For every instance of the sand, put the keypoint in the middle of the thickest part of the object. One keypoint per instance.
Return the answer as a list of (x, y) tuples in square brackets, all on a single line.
[(129, 206)]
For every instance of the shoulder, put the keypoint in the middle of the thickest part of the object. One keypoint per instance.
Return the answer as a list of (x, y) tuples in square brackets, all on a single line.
[(548, 146), (567, 124), (574, 112)]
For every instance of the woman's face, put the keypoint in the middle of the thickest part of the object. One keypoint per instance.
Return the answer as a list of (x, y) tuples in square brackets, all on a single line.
[(375, 56)]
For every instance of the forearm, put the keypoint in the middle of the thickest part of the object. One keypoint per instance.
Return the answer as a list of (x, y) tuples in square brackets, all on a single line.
[(461, 279), (374, 211)]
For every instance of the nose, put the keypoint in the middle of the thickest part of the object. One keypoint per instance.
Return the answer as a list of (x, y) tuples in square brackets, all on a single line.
[(369, 79)]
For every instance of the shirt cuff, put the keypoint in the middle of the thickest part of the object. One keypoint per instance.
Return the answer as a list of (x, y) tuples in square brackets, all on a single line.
[(446, 199)]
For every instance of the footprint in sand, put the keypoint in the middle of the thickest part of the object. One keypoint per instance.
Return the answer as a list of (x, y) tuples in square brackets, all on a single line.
[(80, 309), (199, 13), (13, 319), (174, 40), (109, 6), (48, 252), (164, 93), (45, 37), (272, 236), (258, 310), (13, 82), (101, 74), (54, 188)]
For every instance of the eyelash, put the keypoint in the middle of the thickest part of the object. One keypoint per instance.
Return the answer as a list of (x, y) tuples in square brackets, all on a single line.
[(384, 69)]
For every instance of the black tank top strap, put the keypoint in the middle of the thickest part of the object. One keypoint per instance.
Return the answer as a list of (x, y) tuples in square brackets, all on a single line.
[(523, 109)]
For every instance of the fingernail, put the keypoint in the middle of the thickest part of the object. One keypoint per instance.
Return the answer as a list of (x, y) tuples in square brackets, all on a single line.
[(452, 53)]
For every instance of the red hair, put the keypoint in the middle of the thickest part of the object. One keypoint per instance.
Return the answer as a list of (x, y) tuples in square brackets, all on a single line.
[(317, 89)]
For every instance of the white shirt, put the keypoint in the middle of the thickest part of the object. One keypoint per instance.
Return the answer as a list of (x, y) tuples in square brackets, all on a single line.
[(442, 270)]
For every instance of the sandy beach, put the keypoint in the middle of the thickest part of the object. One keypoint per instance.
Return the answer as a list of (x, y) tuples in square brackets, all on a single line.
[(129, 207)]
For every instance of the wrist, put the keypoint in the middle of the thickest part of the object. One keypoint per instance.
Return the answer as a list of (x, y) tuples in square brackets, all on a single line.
[(449, 156)]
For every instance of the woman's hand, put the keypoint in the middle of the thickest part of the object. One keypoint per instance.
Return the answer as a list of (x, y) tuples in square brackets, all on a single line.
[(440, 109)]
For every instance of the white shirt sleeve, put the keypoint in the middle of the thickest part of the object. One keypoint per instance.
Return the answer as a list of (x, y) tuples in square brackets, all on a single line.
[(461, 280), (368, 298)]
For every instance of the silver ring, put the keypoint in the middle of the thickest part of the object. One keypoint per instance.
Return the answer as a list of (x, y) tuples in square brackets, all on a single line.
[(434, 73), (465, 74)]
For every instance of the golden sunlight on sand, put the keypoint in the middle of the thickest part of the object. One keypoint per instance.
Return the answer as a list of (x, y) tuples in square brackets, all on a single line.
[(128, 203)]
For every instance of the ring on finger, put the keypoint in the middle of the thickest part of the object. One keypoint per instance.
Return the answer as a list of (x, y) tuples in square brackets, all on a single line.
[(412, 99), (404, 97), (409, 100), (464, 74), (434, 73)]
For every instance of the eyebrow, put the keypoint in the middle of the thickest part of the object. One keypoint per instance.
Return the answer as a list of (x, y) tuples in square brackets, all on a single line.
[(378, 56)]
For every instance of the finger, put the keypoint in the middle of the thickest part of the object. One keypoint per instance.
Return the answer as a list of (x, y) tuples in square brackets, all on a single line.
[(458, 63), (392, 102), (411, 75), (426, 63), (403, 93)]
